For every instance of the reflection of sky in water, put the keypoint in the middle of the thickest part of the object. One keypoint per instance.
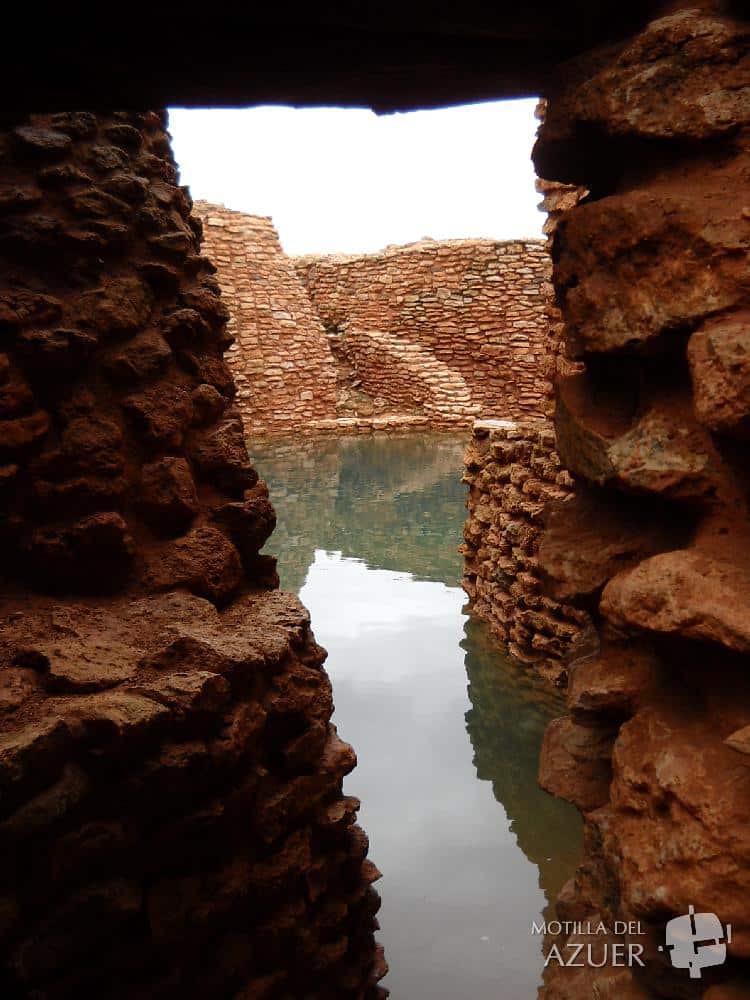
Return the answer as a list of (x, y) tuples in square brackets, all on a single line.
[(463, 859), (458, 895), (351, 598)]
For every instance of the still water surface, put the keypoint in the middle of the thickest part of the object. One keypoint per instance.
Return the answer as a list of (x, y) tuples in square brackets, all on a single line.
[(447, 730)]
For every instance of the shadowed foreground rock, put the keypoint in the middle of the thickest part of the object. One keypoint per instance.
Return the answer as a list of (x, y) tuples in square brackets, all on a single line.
[(651, 277), (172, 820)]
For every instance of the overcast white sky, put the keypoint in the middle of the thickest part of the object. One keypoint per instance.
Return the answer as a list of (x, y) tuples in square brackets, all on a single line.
[(349, 181)]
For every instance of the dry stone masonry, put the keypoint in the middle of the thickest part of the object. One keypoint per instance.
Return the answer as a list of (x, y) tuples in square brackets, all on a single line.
[(172, 821), (476, 306), (424, 336), (171, 815), (514, 475), (281, 361), (649, 240), (651, 275)]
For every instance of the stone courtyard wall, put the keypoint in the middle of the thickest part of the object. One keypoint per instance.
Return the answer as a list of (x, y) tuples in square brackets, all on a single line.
[(280, 360), (476, 306), (430, 335)]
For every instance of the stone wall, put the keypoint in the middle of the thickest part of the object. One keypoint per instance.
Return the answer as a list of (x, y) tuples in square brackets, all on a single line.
[(172, 820), (649, 238), (476, 307), (514, 474), (651, 274), (281, 361), (423, 336), (165, 832)]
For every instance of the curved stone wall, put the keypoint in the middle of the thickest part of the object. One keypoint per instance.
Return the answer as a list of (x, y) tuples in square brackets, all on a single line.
[(281, 361), (478, 306), (172, 820)]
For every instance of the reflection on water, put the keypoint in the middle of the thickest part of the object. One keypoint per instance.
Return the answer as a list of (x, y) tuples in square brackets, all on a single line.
[(396, 503), (368, 530)]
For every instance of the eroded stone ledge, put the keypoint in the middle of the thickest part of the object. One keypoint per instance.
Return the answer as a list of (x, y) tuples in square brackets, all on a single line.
[(169, 773)]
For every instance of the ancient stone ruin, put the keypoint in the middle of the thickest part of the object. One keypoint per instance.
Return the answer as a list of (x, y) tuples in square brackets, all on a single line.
[(425, 336), (514, 476), (457, 327), (651, 276), (513, 473), (281, 361), (171, 812)]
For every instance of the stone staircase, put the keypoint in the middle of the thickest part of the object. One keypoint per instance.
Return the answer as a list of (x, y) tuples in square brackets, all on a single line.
[(387, 365)]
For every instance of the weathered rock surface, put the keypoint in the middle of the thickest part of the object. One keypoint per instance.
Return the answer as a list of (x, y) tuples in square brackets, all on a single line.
[(592, 537), (611, 684), (719, 356), (680, 801), (651, 278), (574, 763), (172, 820), (643, 265), (686, 76), (683, 593), (662, 451), (740, 740), (169, 500)]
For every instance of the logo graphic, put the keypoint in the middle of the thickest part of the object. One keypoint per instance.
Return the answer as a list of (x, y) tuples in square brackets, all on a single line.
[(697, 941)]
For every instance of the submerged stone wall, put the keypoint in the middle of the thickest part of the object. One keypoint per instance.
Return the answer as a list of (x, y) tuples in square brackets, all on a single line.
[(651, 274), (514, 474), (172, 820), (476, 306), (281, 361)]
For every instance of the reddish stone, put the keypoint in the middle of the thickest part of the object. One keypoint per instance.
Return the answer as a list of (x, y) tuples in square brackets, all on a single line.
[(220, 453), (574, 763), (685, 593), (719, 356), (168, 497), (92, 554), (123, 305), (158, 419), (143, 356), (204, 561)]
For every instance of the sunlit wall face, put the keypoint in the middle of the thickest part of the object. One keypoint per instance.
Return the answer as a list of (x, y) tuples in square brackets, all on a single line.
[(350, 181)]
